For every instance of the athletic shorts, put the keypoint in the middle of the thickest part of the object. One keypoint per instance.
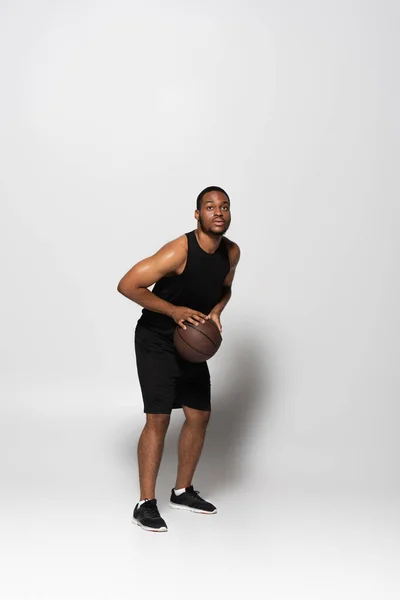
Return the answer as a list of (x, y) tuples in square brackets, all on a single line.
[(166, 380)]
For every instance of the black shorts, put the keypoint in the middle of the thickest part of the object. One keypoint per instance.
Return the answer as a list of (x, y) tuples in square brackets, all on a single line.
[(166, 380)]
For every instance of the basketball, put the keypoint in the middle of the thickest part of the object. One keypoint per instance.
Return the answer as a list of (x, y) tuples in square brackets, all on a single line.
[(197, 343)]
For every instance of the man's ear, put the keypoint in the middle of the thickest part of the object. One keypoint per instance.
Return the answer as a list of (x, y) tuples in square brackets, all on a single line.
[(196, 214)]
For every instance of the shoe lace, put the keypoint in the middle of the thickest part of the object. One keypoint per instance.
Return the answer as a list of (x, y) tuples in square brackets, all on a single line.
[(151, 510), (195, 494)]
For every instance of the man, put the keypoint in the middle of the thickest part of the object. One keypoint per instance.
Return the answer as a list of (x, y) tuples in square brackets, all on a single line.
[(193, 276)]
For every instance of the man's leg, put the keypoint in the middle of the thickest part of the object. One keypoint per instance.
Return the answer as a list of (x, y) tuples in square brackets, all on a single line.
[(191, 442), (150, 450)]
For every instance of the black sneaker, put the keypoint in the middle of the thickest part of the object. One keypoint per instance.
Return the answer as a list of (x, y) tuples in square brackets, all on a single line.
[(190, 500), (147, 516)]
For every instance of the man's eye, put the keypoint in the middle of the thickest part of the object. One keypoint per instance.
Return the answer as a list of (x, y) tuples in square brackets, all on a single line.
[(225, 208)]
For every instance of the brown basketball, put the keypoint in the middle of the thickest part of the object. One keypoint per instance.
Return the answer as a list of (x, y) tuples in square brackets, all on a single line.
[(197, 343)]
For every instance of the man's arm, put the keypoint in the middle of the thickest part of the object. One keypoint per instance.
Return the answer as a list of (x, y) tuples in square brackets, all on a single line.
[(234, 257), (148, 271)]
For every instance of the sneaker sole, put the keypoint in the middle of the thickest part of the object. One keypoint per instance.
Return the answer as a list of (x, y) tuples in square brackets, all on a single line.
[(161, 530), (195, 510)]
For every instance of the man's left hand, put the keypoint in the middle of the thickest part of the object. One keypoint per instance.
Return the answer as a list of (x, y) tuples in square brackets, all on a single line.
[(216, 317)]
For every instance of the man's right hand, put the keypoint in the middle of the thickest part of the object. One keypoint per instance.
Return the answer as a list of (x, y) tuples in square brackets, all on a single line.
[(183, 313)]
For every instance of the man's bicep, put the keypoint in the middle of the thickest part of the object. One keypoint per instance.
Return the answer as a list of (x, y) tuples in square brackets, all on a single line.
[(234, 257), (143, 274), (229, 278), (149, 270)]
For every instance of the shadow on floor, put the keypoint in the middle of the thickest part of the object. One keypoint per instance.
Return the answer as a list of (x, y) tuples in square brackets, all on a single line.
[(236, 406)]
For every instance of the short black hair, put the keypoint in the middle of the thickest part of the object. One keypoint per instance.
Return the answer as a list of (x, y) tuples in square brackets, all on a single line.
[(211, 188)]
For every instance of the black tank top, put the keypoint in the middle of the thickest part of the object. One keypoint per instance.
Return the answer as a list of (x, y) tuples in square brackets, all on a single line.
[(199, 287)]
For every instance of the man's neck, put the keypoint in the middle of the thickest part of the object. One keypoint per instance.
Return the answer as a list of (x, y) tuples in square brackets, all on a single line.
[(208, 242)]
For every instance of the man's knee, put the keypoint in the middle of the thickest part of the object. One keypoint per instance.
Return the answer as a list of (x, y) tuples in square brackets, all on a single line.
[(197, 418), (157, 423)]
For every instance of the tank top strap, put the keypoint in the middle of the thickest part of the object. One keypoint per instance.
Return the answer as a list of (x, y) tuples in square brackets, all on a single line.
[(192, 242), (223, 249)]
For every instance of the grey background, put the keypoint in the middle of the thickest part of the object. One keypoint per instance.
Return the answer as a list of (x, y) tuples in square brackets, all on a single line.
[(113, 118)]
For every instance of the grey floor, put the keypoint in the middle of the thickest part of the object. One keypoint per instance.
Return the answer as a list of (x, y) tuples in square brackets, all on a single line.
[(69, 483)]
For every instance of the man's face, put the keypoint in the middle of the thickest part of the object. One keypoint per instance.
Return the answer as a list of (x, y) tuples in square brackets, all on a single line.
[(214, 215)]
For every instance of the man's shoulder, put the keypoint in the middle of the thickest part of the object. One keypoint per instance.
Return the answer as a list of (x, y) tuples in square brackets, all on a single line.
[(171, 255), (231, 245), (179, 243), (233, 252)]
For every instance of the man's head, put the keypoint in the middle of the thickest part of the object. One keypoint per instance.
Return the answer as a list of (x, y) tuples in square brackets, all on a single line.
[(213, 210)]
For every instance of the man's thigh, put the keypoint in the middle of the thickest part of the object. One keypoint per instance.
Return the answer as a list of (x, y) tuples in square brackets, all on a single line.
[(193, 388), (158, 371)]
